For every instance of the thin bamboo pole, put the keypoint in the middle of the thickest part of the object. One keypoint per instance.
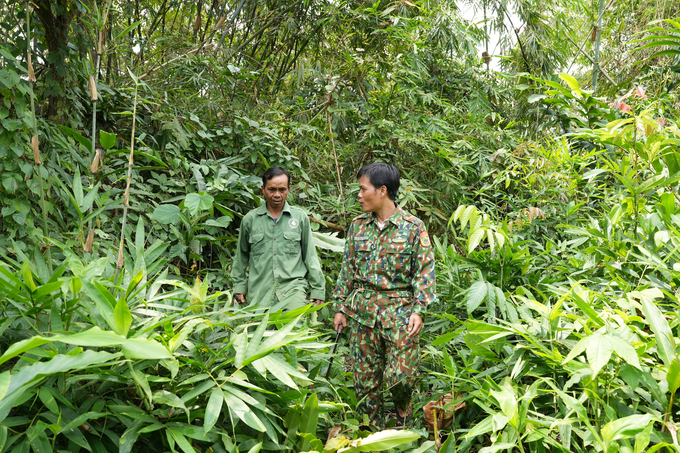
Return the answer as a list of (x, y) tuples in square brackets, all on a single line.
[(596, 62), (126, 201)]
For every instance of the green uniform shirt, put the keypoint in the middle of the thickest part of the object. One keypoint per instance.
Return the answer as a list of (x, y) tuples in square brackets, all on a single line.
[(279, 254)]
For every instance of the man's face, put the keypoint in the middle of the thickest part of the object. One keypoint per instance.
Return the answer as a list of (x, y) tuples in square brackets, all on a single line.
[(370, 198), (276, 191)]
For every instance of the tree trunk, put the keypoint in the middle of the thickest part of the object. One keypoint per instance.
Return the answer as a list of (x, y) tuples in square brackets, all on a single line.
[(55, 16)]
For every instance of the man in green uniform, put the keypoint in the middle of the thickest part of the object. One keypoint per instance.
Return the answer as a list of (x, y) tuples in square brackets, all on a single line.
[(276, 250), (386, 281)]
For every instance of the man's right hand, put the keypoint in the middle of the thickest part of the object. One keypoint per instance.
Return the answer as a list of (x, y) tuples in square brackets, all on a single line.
[(340, 321), (240, 298)]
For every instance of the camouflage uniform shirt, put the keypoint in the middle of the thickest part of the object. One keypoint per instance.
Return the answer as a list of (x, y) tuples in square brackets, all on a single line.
[(386, 274)]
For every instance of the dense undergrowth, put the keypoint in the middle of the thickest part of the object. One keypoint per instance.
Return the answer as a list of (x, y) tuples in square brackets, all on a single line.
[(553, 210)]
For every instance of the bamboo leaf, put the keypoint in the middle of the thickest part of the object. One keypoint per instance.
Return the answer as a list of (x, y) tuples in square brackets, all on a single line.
[(212, 410), (309, 419), (665, 344), (475, 295)]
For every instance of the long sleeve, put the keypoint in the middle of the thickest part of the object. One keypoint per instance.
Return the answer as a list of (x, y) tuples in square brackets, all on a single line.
[(241, 258), (423, 276), (345, 283), (317, 281)]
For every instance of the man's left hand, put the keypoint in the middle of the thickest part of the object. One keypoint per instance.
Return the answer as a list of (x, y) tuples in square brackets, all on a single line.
[(316, 301), (415, 325)]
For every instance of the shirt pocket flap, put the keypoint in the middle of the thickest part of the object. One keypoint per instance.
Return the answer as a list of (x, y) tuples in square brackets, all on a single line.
[(292, 235), (362, 243), (255, 238)]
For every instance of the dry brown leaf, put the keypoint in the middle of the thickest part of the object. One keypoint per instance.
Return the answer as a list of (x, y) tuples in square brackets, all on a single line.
[(94, 168), (36, 149), (335, 430), (93, 88), (89, 241)]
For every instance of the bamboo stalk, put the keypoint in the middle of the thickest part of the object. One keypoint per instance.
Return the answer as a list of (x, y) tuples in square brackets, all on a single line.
[(330, 225), (34, 139), (126, 200), (94, 97)]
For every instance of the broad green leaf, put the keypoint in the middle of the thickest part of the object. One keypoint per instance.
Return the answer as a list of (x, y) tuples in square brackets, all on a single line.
[(182, 441), (196, 203), (498, 447), (535, 98), (48, 400), (122, 317), (170, 399), (78, 189), (672, 377), (256, 448), (144, 348), (103, 299), (427, 446), (573, 84), (506, 399), (385, 440), (106, 139), (328, 241), (213, 409), (166, 213), (475, 295), (625, 350), (483, 427), (279, 339), (642, 440), (309, 419), (142, 382), (626, 427), (243, 412), (241, 346), (28, 276), (77, 136), (257, 337), (4, 383), (474, 239), (599, 351), (129, 437), (58, 364), (665, 344)]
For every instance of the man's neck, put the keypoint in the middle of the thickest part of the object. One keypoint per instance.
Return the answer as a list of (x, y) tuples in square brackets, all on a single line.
[(387, 210), (275, 213)]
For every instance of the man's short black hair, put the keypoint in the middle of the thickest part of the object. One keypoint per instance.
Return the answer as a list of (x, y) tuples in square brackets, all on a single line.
[(380, 174), (273, 172)]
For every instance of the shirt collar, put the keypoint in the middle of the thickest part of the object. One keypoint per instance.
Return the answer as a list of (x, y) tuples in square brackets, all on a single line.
[(396, 219), (262, 210)]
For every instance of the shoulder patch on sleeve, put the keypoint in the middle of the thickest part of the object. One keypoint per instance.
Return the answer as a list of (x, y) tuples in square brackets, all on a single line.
[(425, 239)]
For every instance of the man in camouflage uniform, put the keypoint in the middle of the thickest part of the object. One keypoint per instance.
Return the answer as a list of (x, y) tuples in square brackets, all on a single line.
[(385, 284)]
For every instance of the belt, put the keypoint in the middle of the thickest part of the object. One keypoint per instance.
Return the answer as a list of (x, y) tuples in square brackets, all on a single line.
[(386, 292)]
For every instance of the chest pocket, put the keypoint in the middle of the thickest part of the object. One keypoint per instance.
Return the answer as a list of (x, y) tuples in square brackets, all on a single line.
[(397, 256), (257, 244), (292, 241)]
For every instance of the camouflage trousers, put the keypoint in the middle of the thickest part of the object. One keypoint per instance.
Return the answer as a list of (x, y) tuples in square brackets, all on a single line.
[(383, 356)]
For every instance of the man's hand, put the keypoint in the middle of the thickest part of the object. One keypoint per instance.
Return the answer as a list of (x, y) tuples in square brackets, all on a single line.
[(240, 298), (340, 320), (316, 301), (415, 325)]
